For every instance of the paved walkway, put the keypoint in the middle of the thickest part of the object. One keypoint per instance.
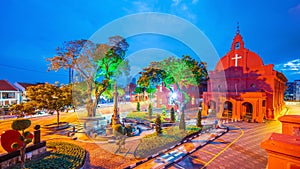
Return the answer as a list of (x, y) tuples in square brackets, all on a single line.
[(180, 151), (238, 148)]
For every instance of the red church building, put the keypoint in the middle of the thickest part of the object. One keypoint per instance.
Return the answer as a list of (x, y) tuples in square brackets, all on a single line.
[(241, 87)]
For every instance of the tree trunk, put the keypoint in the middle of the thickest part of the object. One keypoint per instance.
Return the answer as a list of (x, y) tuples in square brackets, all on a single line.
[(22, 154), (182, 117), (57, 117), (91, 107), (91, 103)]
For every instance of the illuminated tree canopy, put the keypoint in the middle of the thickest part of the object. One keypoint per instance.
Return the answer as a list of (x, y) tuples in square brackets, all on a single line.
[(97, 65), (182, 72)]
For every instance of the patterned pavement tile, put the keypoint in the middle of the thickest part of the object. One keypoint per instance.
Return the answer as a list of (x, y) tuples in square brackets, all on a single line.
[(237, 149)]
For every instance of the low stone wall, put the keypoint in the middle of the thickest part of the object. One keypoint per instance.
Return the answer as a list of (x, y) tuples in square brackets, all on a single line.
[(290, 124), (283, 151), (13, 158)]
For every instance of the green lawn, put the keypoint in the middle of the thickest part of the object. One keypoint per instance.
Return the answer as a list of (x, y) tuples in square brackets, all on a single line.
[(153, 143)]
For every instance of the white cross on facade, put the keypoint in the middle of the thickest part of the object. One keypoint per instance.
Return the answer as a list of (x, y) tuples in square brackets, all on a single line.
[(236, 59)]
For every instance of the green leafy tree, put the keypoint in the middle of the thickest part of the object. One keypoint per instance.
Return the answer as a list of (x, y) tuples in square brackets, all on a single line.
[(19, 109), (138, 106), (139, 91), (66, 95), (199, 118), (97, 65), (21, 125), (109, 92), (50, 97), (182, 72), (151, 90), (150, 111), (172, 112), (158, 127)]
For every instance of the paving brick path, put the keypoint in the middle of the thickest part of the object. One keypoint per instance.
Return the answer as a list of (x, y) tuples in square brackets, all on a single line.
[(239, 148)]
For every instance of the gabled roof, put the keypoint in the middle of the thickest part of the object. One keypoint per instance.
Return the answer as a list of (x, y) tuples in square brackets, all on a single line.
[(25, 85), (5, 85)]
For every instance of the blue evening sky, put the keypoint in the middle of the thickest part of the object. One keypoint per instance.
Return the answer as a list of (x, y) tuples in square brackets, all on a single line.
[(32, 29)]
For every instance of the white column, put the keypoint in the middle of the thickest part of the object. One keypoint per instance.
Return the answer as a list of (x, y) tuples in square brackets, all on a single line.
[(18, 97)]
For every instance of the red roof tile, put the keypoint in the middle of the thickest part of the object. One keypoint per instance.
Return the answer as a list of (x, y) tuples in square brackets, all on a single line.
[(5, 85)]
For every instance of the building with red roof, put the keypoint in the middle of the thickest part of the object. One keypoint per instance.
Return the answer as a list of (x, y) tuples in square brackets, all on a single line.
[(242, 87), (9, 94), (22, 87)]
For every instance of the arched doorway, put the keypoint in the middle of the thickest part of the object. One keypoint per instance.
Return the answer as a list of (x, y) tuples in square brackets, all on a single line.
[(247, 111), (211, 107), (227, 111)]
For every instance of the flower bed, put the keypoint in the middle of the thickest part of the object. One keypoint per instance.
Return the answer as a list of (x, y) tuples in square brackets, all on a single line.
[(62, 156)]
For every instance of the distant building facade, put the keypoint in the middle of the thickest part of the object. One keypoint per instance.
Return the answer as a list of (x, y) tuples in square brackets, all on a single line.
[(250, 90), (166, 97), (296, 90), (289, 92), (130, 92)]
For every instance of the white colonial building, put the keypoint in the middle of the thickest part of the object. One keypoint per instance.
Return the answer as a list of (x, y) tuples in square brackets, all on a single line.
[(9, 94), (22, 88)]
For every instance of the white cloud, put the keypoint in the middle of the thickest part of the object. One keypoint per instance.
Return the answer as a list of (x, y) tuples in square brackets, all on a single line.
[(291, 66)]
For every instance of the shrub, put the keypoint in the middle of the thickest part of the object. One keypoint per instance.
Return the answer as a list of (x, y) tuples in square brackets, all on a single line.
[(118, 130), (150, 111), (192, 129), (158, 128), (64, 156), (172, 115), (199, 118), (128, 130), (21, 124), (25, 138)]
